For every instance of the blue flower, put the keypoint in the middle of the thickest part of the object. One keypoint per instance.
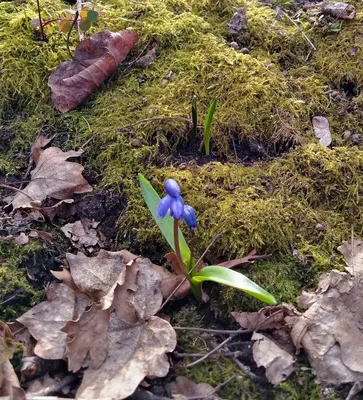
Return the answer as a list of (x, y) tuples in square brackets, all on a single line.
[(189, 217), (172, 188), (173, 204)]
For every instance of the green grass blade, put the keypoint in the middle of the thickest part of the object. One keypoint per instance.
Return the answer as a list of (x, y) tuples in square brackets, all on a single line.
[(166, 224), (194, 115), (232, 278), (208, 126)]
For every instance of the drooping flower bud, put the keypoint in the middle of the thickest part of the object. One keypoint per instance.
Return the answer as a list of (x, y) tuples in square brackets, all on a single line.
[(177, 207), (164, 206), (190, 217)]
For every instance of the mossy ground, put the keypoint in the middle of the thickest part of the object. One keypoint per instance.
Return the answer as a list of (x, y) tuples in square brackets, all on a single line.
[(266, 97)]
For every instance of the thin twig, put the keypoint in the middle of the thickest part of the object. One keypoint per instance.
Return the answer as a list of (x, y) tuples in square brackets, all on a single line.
[(191, 270), (141, 121), (217, 331), (247, 371), (197, 355), (215, 390), (40, 21), (16, 189), (132, 63), (69, 34), (298, 27), (208, 354)]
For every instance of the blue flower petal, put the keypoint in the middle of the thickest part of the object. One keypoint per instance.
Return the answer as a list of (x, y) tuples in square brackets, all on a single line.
[(177, 207), (164, 206), (190, 217), (172, 188)]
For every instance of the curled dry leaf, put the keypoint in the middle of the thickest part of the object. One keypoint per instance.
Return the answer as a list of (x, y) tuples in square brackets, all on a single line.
[(183, 388), (330, 329), (322, 130), (94, 60), (279, 364), (53, 176), (134, 352), (87, 335), (46, 320), (83, 234)]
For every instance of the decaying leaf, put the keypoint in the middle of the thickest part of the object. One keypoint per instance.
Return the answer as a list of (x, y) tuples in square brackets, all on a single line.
[(330, 329), (279, 364), (46, 320), (183, 388), (87, 335), (270, 317), (135, 351), (94, 60), (95, 276), (54, 177), (338, 9), (83, 234), (322, 130)]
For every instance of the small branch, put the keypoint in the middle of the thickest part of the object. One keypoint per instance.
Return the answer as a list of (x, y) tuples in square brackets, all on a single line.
[(141, 121), (215, 390), (40, 21), (69, 34), (17, 190), (217, 331), (197, 355), (132, 63), (247, 371)]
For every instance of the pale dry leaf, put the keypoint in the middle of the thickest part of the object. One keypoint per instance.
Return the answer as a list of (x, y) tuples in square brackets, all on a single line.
[(279, 364), (135, 351), (9, 383), (338, 9), (94, 60), (54, 177), (140, 296), (83, 233), (183, 388), (87, 335), (46, 320), (95, 276), (322, 130), (21, 239), (330, 329), (37, 147)]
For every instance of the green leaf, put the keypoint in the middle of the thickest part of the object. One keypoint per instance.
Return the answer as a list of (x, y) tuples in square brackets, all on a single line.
[(194, 115), (84, 25), (165, 224), (232, 278), (92, 16), (208, 125)]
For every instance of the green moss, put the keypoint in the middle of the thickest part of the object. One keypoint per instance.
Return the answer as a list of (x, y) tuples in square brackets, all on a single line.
[(13, 280)]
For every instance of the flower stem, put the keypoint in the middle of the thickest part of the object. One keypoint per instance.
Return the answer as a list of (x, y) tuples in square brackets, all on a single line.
[(177, 248)]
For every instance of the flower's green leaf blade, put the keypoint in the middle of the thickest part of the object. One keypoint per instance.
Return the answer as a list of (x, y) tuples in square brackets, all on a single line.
[(166, 224), (208, 126), (194, 115), (235, 279)]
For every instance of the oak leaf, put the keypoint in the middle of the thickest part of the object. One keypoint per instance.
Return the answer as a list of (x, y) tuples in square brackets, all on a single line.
[(94, 60), (135, 351)]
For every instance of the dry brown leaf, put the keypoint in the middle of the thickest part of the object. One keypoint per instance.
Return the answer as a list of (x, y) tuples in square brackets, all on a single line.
[(83, 234), (267, 318), (338, 9), (183, 388), (322, 130), (330, 329), (96, 276), (134, 352), (94, 60), (53, 176), (46, 320), (87, 335), (279, 364), (21, 239), (37, 147), (244, 261), (45, 236)]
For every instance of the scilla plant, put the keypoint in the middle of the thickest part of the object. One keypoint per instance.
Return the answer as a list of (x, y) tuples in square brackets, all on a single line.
[(168, 212)]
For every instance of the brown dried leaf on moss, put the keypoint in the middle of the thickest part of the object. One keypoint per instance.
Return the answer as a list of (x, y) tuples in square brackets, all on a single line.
[(338, 9), (94, 60), (87, 335), (54, 177), (330, 329), (135, 351), (46, 320), (279, 364), (266, 318), (322, 130), (183, 388)]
